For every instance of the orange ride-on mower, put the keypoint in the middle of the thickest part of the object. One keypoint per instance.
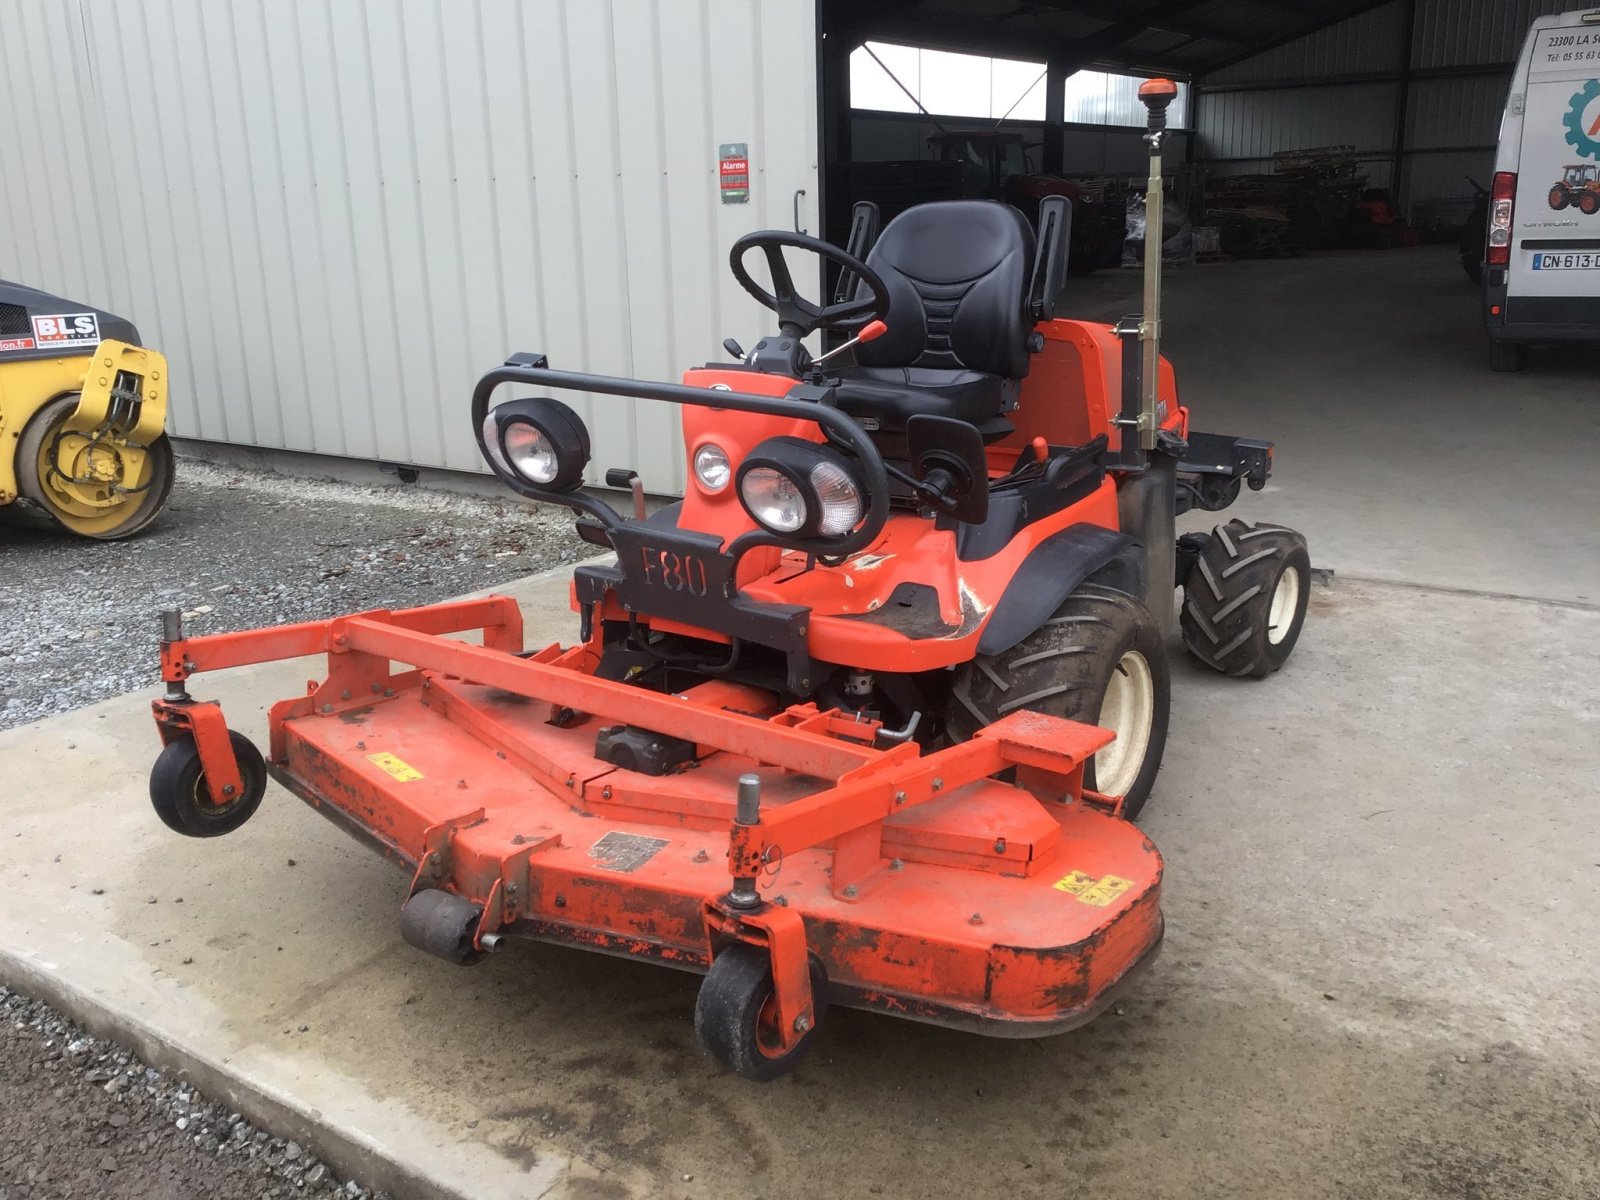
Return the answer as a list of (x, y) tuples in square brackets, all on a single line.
[(864, 718)]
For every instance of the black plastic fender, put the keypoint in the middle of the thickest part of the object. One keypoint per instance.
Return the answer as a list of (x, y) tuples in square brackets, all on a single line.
[(1052, 572)]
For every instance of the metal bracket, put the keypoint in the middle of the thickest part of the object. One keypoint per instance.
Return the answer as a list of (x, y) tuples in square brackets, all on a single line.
[(434, 863)]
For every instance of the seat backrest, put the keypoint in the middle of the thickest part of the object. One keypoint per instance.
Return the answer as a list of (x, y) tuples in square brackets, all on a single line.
[(957, 273)]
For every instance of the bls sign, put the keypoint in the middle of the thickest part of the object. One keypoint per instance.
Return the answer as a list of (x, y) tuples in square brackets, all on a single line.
[(67, 329)]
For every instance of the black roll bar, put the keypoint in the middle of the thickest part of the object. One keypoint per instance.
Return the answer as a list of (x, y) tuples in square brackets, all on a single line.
[(805, 402)]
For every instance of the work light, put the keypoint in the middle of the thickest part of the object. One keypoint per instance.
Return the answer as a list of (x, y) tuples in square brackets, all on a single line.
[(799, 488), (539, 443)]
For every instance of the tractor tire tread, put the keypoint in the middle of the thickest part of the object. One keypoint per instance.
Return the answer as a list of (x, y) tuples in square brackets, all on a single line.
[(1228, 597), (1062, 668)]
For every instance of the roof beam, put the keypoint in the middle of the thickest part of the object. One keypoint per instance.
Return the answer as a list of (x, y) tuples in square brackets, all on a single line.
[(1320, 22), (1108, 10)]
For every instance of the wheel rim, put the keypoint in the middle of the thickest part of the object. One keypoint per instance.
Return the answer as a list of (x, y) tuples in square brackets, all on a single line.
[(208, 809), (1285, 603), (1128, 710), (769, 1040)]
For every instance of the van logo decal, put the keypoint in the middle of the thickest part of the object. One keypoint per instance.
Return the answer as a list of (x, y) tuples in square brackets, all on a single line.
[(1584, 135)]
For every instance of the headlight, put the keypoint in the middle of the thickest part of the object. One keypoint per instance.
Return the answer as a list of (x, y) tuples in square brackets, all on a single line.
[(537, 443), (530, 452), (773, 499), (791, 486), (711, 467), (839, 498)]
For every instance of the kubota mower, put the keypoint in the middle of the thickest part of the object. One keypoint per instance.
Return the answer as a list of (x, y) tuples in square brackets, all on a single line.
[(82, 413), (865, 717)]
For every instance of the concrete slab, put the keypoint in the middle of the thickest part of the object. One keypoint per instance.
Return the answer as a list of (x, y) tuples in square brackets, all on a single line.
[(1378, 981)]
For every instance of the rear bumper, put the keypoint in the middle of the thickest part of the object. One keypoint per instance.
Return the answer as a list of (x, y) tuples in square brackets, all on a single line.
[(1538, 318)]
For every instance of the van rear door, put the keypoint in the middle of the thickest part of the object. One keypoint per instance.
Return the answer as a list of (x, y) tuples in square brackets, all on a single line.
[(1556, 245)]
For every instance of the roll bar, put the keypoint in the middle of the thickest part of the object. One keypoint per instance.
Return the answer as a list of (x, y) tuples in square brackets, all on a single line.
[(804, 402)]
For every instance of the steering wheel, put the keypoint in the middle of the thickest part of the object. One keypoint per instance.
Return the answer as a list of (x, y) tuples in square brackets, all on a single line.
[(798, 316)]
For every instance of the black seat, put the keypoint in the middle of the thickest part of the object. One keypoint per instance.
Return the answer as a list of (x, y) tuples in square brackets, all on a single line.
[(958, 275)]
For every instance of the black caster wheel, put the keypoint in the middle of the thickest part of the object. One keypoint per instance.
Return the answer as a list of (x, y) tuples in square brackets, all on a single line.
[(178, 788), (442, 924), (735, 1014)]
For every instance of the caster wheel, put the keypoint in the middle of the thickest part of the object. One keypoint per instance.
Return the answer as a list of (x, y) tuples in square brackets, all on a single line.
[(442, 924), (735, 1015), (178, 788)]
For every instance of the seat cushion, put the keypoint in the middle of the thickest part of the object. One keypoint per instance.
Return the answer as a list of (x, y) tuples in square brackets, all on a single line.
[(885, 397)]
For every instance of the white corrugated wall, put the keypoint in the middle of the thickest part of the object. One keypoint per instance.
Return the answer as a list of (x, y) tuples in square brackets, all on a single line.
[(334, 216)]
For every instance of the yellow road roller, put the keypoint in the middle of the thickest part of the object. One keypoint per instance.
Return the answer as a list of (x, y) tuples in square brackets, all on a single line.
[(83, 409)]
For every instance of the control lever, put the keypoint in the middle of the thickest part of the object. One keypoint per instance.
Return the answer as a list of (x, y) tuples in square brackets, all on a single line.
[(622, 477), (871, 331), (733, 348)]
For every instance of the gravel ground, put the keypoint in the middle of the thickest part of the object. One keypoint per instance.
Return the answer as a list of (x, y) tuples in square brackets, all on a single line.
[(81, 1118), (238, 548), (235, 548)]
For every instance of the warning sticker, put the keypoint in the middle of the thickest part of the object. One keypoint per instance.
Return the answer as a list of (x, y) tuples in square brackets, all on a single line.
[(398, 767), (625, 852), (1097, 892), (15, 343)]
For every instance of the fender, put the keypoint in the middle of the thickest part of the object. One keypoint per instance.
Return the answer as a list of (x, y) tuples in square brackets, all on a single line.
[(1052, 572)]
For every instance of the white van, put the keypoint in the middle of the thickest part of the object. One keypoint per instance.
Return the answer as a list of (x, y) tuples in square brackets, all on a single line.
[(1541, 279)]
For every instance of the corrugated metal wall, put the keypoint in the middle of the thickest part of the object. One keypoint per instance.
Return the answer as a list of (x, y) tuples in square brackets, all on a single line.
[(333, 217), (1452, 108)]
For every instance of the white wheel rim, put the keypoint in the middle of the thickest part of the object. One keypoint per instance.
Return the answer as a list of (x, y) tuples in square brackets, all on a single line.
[(1285, 603), (1128, 710)]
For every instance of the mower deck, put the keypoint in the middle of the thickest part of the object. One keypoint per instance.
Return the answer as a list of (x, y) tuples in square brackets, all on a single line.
[(925, 887)]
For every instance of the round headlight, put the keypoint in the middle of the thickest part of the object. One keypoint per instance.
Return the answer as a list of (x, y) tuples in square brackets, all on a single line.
[(711, 467), (535, 443), (838, 498), (773, 499), (530, 453)]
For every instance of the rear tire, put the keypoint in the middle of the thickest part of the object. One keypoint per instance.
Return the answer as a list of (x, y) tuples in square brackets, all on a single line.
[(1507, 356), (1244, 601), (1101, 658), (1588, 203)]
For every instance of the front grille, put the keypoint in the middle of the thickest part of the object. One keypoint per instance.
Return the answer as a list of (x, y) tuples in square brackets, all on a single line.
[(14, 321)]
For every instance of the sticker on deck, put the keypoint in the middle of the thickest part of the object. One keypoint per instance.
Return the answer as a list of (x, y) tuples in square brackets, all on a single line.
[(1097, 892), (398, 767), (65, 330), (625, 852)]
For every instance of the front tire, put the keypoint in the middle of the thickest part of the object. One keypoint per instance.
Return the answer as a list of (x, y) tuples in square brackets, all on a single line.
[(1244, 601), (1100, 659), (182, 799), (1559, 198), (736, 1008)]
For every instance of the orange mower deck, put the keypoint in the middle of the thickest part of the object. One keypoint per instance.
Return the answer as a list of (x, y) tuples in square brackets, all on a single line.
[(923, 886)]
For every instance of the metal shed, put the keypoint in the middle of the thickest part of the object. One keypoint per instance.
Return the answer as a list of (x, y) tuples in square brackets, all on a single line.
[(334, 217)]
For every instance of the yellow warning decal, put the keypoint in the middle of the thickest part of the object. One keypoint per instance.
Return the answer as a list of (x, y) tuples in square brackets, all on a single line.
[(399, 768), (1097, 892)]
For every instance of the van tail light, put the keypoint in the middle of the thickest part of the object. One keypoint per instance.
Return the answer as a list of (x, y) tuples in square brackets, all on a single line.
[(1501, 201)]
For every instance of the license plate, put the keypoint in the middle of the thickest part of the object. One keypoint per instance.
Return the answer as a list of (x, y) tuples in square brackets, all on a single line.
[(1587, 260)]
